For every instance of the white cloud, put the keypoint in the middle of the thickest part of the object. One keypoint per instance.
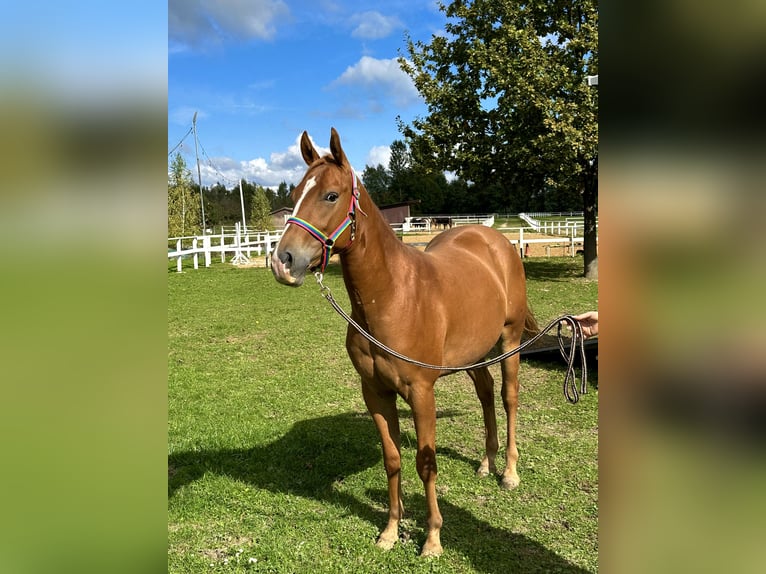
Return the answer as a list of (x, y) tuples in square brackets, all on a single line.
[(374, 25), (201, 22), (379, 155), (287, 166), (377, 77)]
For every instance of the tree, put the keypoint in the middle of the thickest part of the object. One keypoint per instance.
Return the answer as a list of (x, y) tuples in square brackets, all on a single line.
[(260, 214), (184, 214), (508, 101), (398, 168), (283, 196), (378, 183)]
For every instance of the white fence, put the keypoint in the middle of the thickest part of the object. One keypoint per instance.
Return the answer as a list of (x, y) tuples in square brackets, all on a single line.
[(487, 220), (425, 223), (241, 245), (571, 242), (244, 245), (568, 227), (577, 214)]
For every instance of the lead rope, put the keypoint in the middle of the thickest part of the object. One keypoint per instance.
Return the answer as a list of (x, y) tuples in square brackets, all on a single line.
[(578, 342)]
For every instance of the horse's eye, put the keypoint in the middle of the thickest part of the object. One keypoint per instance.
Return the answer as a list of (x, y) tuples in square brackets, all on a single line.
[(332, 197)]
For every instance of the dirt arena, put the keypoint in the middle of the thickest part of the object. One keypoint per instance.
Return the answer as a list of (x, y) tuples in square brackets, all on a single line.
[(558, 249)]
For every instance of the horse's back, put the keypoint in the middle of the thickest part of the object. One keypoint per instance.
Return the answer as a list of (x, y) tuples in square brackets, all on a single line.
[(462, 245), (481, 287), (482, 258)]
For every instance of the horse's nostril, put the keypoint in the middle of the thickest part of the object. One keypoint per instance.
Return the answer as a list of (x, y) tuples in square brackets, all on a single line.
[(286, 257)]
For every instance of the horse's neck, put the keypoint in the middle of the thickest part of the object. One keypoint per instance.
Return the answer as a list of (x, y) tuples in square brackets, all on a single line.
[(372, 261)]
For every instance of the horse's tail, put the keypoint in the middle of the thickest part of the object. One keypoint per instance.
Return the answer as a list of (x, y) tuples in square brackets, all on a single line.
[(531, 327)]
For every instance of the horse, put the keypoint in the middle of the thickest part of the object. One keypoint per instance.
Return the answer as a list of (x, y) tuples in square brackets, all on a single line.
[(448, 306), (442, 222), (421, 223)]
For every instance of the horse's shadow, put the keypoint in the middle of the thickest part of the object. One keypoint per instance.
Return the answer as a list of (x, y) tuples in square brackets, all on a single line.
[(317, 453)]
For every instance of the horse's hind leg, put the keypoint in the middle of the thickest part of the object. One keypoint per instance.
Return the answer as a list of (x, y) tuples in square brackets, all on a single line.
[(485, 390), (510, 393)]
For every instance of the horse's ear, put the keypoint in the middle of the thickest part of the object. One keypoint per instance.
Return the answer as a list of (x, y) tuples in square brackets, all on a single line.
[(336, 149), (309, 153)]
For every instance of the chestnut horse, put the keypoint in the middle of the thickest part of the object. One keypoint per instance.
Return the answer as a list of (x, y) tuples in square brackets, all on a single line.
[(449, 305)]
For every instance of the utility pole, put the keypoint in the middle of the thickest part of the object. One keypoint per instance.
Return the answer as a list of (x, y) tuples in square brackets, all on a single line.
[(242, 203), (199, 174)]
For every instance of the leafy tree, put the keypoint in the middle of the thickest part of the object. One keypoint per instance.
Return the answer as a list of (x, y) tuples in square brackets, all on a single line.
[(184, 212), (508, 102), (260, 214), (248, 191), (398, 168), (456, 197), (429, 189), (283, 196), (377, 180), (219, 204)]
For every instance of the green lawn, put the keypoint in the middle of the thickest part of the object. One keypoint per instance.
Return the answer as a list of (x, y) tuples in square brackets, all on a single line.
[(275, 466), (510, 222)]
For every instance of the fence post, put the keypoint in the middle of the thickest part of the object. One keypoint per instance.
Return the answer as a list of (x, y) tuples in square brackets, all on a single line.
[(195, 255), (179, 264), (521, 242), (223, 246), (206, 245)]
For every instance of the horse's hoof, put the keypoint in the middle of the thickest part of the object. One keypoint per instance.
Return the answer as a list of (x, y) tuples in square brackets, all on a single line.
[(433, 550), (385, 544), (509, 482), (486, 470)]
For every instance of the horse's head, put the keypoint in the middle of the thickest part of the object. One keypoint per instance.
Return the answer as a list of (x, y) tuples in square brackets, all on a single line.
[(323, 220)]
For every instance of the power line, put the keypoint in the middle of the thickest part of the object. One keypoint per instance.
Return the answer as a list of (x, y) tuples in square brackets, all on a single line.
[(180, 142), (215, 168)]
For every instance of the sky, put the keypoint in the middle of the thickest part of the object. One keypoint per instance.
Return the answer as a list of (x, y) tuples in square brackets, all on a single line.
[(260, 72)]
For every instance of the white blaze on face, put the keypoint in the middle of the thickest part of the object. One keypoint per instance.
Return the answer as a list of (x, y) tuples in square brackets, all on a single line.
[(311, 182)]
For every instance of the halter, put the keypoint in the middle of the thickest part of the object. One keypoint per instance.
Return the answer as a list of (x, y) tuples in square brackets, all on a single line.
[(328, 242)]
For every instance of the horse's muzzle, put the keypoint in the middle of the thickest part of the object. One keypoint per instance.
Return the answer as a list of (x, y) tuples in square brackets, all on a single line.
[(289, 269)]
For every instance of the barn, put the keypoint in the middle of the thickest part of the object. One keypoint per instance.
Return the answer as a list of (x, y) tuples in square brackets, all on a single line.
[(395, 213), (279, 217)]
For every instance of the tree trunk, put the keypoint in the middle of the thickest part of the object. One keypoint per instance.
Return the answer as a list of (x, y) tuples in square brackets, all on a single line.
[(590, 210)]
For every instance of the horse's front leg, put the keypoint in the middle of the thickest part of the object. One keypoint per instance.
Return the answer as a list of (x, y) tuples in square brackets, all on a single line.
[(424, 412), (382, 407)]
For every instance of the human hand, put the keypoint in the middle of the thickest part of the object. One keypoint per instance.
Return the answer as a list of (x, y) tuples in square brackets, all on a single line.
[(589, 323)]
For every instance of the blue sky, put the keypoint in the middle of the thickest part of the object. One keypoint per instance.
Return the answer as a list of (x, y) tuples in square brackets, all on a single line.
[(259, 72)]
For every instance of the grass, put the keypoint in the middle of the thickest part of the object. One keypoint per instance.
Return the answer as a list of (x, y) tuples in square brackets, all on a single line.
[(509, 222), (275, 466)]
